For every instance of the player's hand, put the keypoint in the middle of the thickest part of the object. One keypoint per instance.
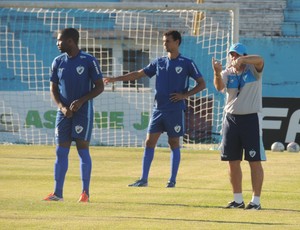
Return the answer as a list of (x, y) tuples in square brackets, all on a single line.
[(107, 80), (75, 105), (237, 63), (67, 112), (216, 65), (175, 97)]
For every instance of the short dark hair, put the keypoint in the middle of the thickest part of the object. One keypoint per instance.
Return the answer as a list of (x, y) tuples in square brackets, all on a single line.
[(175, 34), (70, 33)]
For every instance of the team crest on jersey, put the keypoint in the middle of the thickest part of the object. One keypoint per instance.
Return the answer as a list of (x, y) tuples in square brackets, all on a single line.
[(178, 69), (252, 153), (177, 128), (78, 129), (80, 69)]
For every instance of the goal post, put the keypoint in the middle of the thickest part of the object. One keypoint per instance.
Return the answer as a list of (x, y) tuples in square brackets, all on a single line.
[(124, 37)]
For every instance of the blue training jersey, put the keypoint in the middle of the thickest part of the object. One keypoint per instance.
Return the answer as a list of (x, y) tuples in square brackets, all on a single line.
[(172, 76), (74, 76)]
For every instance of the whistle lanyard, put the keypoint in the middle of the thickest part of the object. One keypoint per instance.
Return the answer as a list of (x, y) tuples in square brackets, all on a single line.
[(240, 79)]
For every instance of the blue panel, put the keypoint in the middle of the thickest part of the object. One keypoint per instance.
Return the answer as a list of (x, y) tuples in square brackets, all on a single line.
[(281, 76)]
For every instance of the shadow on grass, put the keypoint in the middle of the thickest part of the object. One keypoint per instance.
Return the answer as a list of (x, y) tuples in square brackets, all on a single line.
[(204, 206), (201, 221)]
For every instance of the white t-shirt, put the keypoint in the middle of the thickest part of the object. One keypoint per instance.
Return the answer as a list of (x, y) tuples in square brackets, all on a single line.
[(243, 91)]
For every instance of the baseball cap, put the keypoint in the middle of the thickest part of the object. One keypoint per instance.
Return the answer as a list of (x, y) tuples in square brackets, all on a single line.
[(239, 48)]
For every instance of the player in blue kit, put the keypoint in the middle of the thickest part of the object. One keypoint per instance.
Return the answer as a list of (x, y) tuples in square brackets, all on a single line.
[(75, 80), (171, 89)]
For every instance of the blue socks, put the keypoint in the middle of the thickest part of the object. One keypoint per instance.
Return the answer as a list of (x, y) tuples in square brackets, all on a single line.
[(147, 160), (60, 169), (148, 157), (86, 168), (175, 161)]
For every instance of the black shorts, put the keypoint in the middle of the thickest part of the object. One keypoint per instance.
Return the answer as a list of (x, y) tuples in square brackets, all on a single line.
[(242, 134)]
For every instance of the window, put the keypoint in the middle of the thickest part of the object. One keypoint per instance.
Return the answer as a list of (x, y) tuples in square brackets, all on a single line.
[(135, 60)]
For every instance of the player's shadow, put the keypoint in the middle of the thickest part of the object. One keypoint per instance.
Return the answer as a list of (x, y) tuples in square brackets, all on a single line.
[(197, 206), (200, 221)]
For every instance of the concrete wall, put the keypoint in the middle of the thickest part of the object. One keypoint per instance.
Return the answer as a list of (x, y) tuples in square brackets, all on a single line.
[(281, 75)]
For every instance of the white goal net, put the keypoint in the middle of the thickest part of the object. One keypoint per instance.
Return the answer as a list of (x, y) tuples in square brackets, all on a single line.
[(123, 37)]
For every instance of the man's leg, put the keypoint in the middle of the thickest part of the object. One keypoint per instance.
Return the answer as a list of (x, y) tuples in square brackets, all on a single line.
[(85, 164), (150, 142), (174, 159), (61, 167), (236, 176), (257, 177)]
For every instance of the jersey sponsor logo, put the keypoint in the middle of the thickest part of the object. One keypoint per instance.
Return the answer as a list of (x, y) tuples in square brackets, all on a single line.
[(177, 128), (80, 69), (178, 69), (252, 153), (78, 129)]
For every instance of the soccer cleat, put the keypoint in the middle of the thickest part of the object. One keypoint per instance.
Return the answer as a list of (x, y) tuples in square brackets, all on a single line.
[(234, 204), (170, 184), (252, 206), (53, 197), (139, 183), (84, 198)]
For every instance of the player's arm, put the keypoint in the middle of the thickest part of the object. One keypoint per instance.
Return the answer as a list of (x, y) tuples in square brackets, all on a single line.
[(55, 96), (200, 85), (255, 60), (218, 81), (98, 89), (135, 75)]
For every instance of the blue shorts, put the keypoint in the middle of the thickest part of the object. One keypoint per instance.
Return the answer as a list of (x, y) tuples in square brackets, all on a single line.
[(242, 133), (171, 122), (79, 126)]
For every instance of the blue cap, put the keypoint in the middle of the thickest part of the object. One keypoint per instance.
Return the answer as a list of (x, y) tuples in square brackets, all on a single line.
[(238, 48)]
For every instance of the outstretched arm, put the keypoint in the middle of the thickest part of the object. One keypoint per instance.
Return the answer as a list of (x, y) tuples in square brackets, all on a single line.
[(127, 77)]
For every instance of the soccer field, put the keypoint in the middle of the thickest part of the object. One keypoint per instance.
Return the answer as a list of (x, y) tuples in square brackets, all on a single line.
[(26, 176)]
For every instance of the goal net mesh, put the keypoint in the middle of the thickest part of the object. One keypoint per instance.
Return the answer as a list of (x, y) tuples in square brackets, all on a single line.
[(123, 40)]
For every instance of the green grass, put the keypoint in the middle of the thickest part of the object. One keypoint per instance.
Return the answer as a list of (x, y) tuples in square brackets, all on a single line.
[(26, 176)]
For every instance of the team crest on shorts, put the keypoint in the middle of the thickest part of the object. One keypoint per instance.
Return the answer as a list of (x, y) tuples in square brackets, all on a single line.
[(252, 153), (80, 69), (177, 128), (78, 129)]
